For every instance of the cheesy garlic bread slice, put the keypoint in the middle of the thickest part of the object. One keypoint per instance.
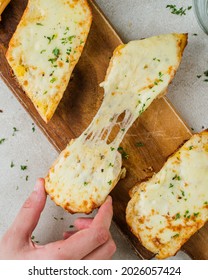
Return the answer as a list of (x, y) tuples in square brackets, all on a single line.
[(45, 48), (90, 166), (169, 208)]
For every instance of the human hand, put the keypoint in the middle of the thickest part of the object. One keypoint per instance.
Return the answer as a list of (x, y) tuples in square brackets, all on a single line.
[(91, 240)]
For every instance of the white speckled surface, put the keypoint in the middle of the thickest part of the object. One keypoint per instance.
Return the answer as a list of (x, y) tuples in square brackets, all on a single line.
[(189, 95)]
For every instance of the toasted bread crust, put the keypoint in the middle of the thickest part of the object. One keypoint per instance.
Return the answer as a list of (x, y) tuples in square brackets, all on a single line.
[(165, 211)]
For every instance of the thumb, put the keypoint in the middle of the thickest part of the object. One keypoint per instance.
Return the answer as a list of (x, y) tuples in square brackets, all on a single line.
[(29, 214)]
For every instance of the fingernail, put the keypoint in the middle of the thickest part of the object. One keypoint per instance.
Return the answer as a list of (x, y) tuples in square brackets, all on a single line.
[(37, 186), (109, 199)]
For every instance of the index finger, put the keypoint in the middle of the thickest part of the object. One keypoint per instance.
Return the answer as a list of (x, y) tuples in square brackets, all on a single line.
[(104, 215)]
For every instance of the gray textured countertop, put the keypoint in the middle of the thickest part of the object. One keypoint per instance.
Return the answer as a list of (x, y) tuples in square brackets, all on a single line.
[(28, 146)]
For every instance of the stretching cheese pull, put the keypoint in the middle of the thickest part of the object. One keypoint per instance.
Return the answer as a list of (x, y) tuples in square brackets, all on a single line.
[(167, 210), (90, 166)]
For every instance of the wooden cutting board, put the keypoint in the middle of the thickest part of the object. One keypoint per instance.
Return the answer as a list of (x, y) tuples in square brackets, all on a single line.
[(159, 129)]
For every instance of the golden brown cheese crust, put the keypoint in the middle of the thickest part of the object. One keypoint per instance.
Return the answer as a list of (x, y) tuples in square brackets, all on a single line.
[(45, 48), (169, 208)]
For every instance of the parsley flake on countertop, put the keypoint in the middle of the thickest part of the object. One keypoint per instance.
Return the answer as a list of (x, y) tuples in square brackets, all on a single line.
[(33, 127), (178, 11), (205, 76), (14, 130), (2, 140), (23, 167)]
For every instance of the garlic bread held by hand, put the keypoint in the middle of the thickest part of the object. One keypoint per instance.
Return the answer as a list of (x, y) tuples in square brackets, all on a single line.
[(90, 166), (169, 208), (45, 48)]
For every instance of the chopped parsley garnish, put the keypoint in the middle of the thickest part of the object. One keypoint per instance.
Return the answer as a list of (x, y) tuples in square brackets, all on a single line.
[(86, 183), (112, 149), (52, 60), (177, 216), (175, 235), (14, 130), (23, 167), (171, 185), (123, 153), (110, 182), (68, 51), (42, 51), (206, 73), (183, 193), (2, 140), (66, 30), (178, 11), (66, 40), (111, 165), (33, 127), (196, 214), (176, 177), (53, 80), (123, 129), (156, 59), (160, 76), (12, 164), (26, 178), (45, 92), (51, 74), (38, 23), (50, 38), (191, 147), (187, 215), (159, 79), (139, 144), (56, 52), (142, 109)]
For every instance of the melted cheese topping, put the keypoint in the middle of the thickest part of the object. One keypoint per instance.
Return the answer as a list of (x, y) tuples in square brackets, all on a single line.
[(166, 210), (45, 48), (139, 72)]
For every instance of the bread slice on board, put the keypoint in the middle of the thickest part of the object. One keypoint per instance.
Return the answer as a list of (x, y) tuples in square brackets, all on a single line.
[(90, 166), (45, 48), (165, 211)]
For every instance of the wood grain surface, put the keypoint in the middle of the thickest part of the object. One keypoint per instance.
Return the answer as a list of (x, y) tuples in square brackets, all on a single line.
[(159, 129)]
